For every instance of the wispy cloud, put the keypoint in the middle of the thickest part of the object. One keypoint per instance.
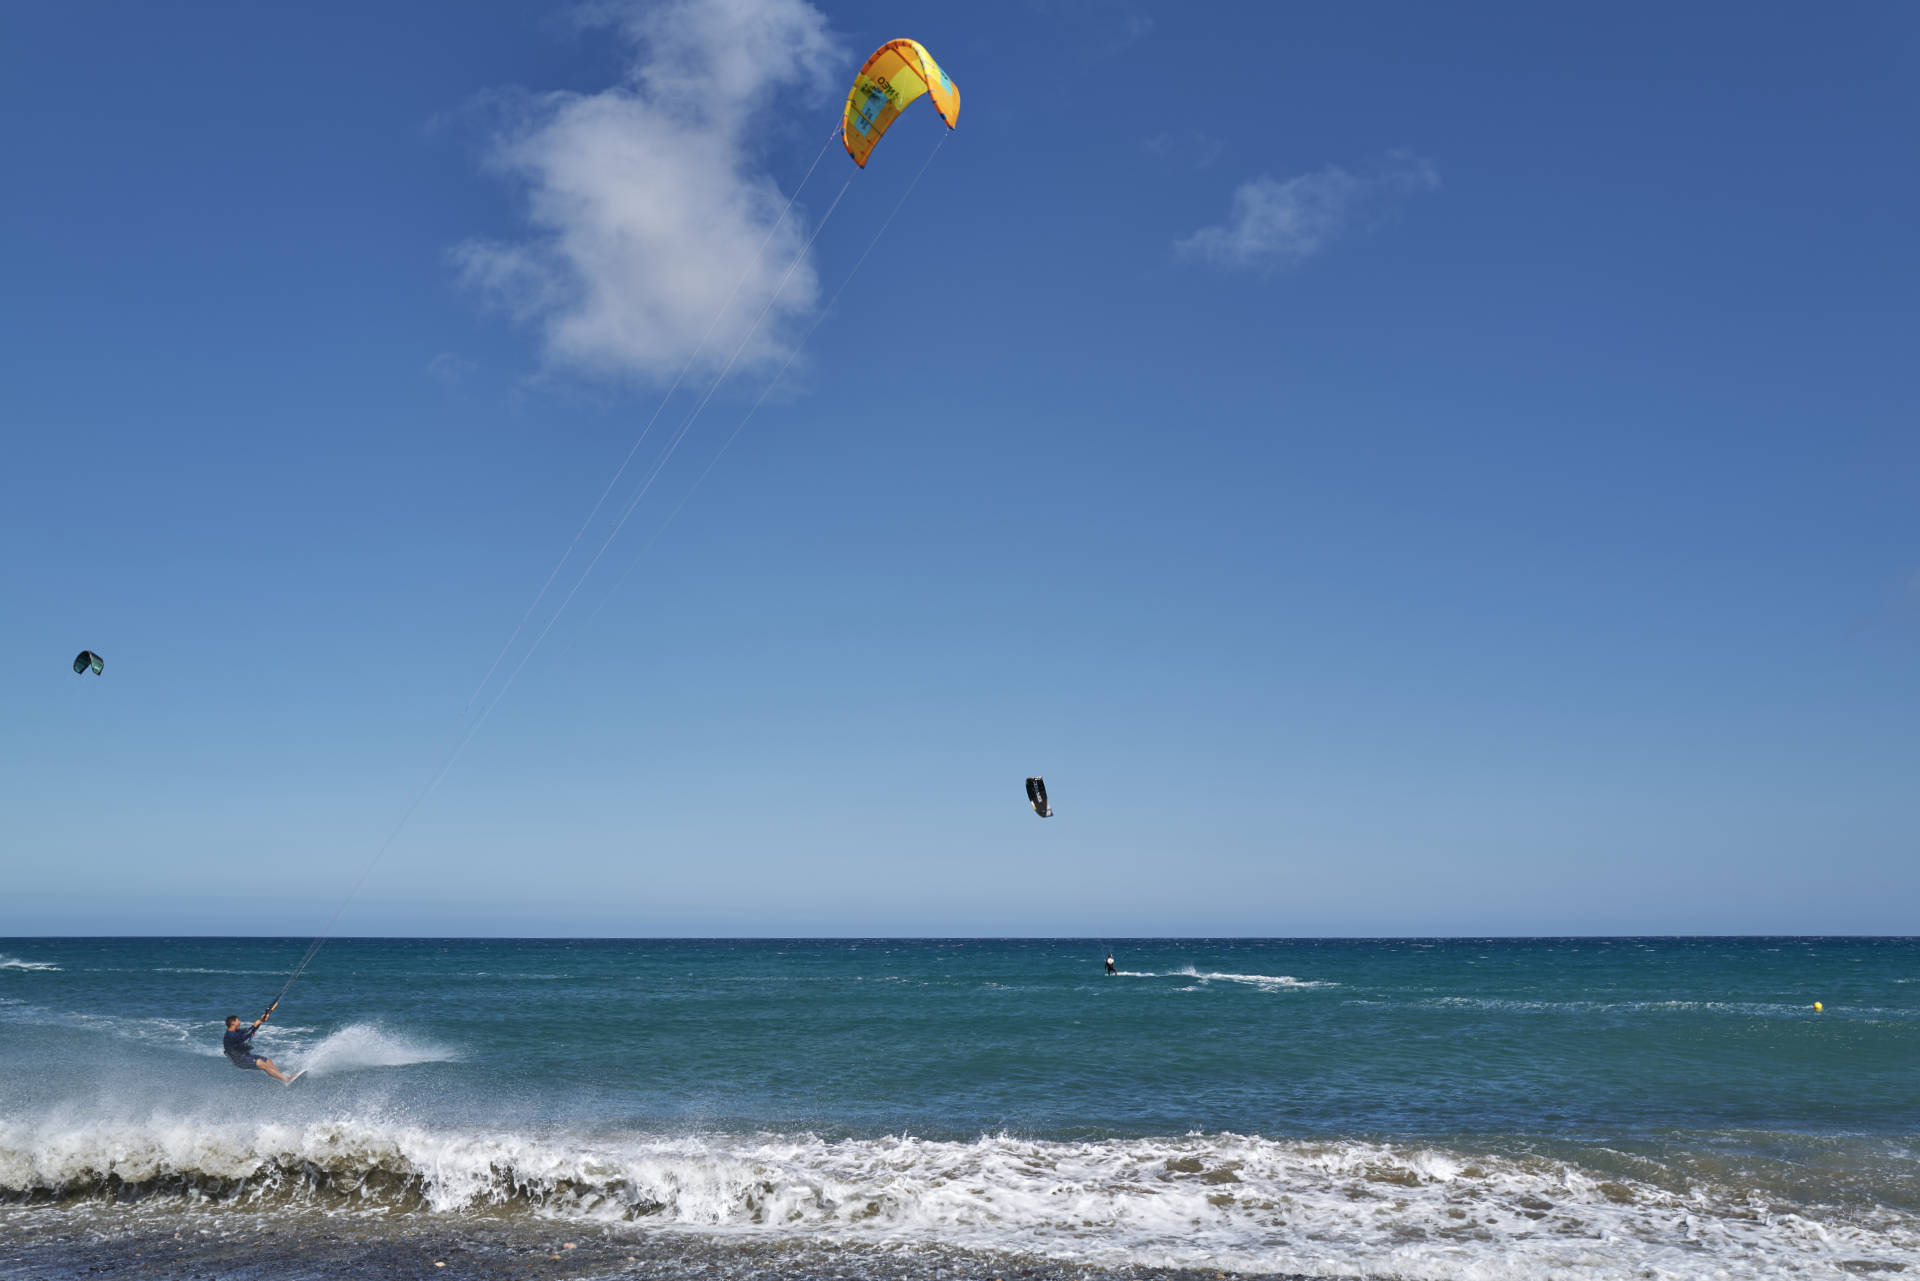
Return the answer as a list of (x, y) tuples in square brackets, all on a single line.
[(1274, 224), (1192, 147), (451, 368), (1905, 597), (1895, 615), (1107, 26), (646, 202)]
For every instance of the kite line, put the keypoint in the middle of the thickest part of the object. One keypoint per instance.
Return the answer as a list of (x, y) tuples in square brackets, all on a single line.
[(621, 470), (894, 76), (768, 389), (326, 931)]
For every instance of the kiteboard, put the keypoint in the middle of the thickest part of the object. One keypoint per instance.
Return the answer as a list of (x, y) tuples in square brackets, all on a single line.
[(296, 1076)]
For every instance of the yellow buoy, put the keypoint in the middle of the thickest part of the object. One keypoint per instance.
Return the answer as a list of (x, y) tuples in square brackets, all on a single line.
[(1817, 1007)]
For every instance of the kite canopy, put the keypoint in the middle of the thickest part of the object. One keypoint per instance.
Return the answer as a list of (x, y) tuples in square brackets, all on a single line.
[(1037, 797), (898, 72), (85, 659)]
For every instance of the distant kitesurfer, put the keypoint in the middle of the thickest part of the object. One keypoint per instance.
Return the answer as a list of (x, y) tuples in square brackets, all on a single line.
[(1110, 968), (240, 1054)]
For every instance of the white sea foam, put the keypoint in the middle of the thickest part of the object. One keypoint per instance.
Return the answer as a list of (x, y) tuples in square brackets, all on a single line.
[(366, 1045), (1747, 1009), (1269, 982), (196, 1036), (201, 1036), (1222, 1201), (352, 1048), (15, 963)]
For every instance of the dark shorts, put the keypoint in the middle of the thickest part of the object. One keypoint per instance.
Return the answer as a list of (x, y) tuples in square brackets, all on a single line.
[(243, 1060)]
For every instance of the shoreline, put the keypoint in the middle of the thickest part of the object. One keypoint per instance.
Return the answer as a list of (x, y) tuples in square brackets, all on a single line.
[(67, 1243)]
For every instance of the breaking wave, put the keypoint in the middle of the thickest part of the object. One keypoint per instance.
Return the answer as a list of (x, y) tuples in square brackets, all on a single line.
[(1222, 1201), (15, 963)]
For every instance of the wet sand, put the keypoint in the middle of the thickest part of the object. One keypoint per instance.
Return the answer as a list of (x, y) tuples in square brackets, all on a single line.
[(67, 1243)]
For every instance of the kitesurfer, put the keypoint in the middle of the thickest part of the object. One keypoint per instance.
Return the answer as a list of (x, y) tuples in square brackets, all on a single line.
[(239, 1051), (1110, 968)]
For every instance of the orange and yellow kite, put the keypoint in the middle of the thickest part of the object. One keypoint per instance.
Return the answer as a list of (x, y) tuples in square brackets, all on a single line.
[(898, 72)]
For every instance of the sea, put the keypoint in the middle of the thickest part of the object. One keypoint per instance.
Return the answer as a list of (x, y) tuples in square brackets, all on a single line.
[(955, 1108)]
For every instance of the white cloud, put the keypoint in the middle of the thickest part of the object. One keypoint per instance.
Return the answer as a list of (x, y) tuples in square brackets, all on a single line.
[(647, 201), (1274, 224)]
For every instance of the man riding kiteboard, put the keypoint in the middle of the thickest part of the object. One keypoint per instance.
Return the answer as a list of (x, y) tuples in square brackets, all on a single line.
[(240, 1053)]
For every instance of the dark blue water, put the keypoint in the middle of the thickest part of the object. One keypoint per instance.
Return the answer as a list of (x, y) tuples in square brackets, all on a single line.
[(1228, 1102)]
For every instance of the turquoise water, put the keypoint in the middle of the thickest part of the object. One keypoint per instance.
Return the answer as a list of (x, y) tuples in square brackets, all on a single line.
[(1393, 1108)]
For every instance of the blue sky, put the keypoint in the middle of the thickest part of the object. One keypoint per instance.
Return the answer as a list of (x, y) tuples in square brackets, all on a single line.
[(1392, 470)]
